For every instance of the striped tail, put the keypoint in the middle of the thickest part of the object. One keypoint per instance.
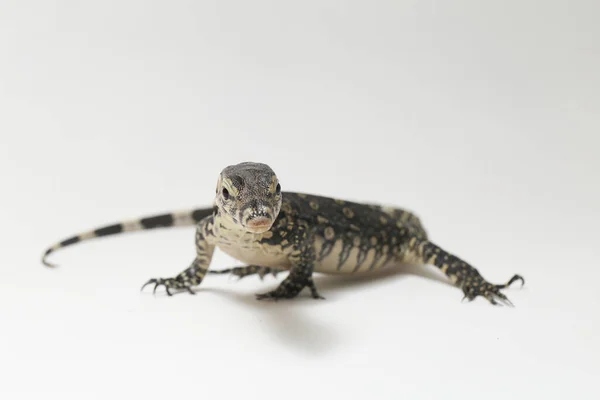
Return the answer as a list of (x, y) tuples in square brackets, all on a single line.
[(180, 218)]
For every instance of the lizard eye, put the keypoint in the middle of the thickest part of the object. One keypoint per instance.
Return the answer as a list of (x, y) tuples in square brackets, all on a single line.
[(278, 189), (225, 194)]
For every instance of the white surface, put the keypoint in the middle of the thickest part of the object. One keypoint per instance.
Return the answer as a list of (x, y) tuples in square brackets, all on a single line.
[(480, 117)]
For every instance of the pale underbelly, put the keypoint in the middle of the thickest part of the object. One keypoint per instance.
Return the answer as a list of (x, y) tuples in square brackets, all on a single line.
[(262, 256), (275, 257)]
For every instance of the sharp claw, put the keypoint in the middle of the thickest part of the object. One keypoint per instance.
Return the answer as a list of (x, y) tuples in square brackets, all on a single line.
[(496, 298), (266, 296), (315, 294), (503, 299), (515, 278), (145, 284), (169, 285), (490, 291), (509, 303)]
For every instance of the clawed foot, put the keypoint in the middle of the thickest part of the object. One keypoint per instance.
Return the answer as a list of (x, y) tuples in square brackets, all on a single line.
[(274, 295), (169, 283), (289, 289), (477, 286)]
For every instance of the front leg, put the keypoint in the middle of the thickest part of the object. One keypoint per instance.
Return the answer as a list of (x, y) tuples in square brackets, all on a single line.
[(195, 273), (300, 276)]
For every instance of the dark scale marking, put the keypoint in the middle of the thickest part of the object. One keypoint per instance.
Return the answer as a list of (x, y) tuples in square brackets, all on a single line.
[(237, 181), (201, 213), (345, 253), (326, 249), (158, 221), (109, 230), (376, 258), (242, 272), (69, 241), (360, 258)]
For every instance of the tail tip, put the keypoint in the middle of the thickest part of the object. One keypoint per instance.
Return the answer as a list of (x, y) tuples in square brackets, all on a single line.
[(45, 258)]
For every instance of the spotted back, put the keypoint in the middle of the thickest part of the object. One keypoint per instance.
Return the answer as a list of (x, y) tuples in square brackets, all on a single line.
[(360, 236)]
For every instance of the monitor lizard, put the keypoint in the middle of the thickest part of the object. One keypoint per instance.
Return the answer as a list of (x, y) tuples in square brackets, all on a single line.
[(253, 221)]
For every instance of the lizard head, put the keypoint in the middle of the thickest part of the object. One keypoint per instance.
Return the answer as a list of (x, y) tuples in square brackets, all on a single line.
[(249, 195)]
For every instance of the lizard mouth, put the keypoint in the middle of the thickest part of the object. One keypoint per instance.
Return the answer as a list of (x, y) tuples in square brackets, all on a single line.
[(259, 223)]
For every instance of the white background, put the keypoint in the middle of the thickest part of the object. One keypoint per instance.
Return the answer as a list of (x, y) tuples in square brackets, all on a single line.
[(480, 116)]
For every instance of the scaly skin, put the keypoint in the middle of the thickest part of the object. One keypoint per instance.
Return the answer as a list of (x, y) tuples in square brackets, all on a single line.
[(253, 221)]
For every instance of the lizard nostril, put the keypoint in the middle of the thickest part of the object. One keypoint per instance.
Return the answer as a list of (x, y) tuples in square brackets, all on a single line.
[(261, 213)]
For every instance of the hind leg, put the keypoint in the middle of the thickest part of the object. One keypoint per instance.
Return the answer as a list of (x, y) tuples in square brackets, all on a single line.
[(460, 272)]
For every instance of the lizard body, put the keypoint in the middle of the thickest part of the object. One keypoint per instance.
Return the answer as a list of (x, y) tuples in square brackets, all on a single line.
[(253, 221)]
